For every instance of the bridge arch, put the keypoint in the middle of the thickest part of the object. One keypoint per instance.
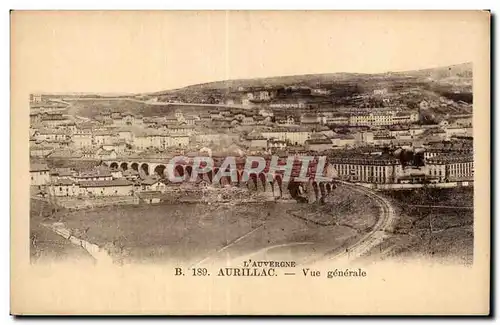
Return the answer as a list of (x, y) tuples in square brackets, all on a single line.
[(322, 192), (160, 170), (135, 166), (225, 180), (277, 186), (179, 171), (262, 182), (188, 171), (252, 182), (145, 168), (113, 165), (124, 166)]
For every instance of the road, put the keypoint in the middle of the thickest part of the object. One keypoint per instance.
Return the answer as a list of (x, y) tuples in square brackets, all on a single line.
[(375, 236), (305, 252)]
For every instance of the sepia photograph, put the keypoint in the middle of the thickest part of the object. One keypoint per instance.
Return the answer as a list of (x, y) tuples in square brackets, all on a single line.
[(250, 145)]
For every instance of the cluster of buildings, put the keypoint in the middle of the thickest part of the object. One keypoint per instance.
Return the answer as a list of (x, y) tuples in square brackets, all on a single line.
[(386, 169), (99, 181), (269, 126)]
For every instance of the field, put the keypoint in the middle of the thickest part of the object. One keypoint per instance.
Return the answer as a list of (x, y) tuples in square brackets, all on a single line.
[(443, 234), (344, 207), (193, 232), (45, 245)]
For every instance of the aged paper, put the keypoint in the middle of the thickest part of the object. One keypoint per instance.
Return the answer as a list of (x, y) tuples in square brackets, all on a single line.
[(250, 162)]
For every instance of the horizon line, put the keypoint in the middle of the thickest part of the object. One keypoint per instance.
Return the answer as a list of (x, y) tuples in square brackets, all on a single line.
[(248, 78)]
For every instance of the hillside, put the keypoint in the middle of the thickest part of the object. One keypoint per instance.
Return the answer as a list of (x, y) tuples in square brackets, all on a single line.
[(459, 75), (406, 88)]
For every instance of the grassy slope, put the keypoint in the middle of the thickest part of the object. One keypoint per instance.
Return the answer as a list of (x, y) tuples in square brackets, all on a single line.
[(452, 236)]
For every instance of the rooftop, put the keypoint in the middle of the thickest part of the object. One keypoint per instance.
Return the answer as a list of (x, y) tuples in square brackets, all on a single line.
[(38, 167), (110, 183)]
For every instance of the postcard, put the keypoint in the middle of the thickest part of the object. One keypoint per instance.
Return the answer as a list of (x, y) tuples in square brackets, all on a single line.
[(250, 162)]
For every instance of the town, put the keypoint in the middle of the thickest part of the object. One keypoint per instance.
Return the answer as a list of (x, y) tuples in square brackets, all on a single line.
[(381, 143)]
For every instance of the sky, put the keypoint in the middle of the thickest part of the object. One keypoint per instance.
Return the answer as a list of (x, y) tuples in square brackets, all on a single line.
[(151, 51)]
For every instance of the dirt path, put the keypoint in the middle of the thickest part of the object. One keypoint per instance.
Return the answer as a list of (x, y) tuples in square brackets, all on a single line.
[(375, 236), (99, 254)]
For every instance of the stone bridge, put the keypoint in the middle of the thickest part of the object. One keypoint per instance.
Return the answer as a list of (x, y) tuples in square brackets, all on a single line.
[(269, 184)]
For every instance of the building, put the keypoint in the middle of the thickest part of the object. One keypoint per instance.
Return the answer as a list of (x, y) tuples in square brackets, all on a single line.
[(40, 174), (151, 184), (367, 168), (82, 140), (130, 174), (51, 135), (343, 140), (321, 144), (288, 105), (64, 187), (320, 92), (96, 174), (382, 118), (337, 120), (35, 98), (450, 168), (294, 136), (257, 141), (102, 153), (150, 197), (371, 119), (310, 119), (113, 187), (364, 137), (40, 150), (105, 137)]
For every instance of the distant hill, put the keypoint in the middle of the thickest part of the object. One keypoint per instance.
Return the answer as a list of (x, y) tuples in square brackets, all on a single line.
[(459, 75), (407, 87)]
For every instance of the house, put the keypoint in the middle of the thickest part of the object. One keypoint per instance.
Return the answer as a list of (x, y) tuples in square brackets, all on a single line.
[(309, 118), (179, 141), (119, 146), (82, 140), (125, 135), (53, 119), (276, 144), (105, 137), (190, 120), (150, 197), (130, 174), (337, 119), (104, 154), (61, 173), (318, 144), (116, 173), (294, 135), (364, 137), (64, 153), (320, 92), (51, 135), (341, 140), (248, 120), (96, 174), (266, 112), (40, 174), (113, 187), (257, 141), (40, 150), (64, 187), (151, 184), (89, 152), (285, 120)]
